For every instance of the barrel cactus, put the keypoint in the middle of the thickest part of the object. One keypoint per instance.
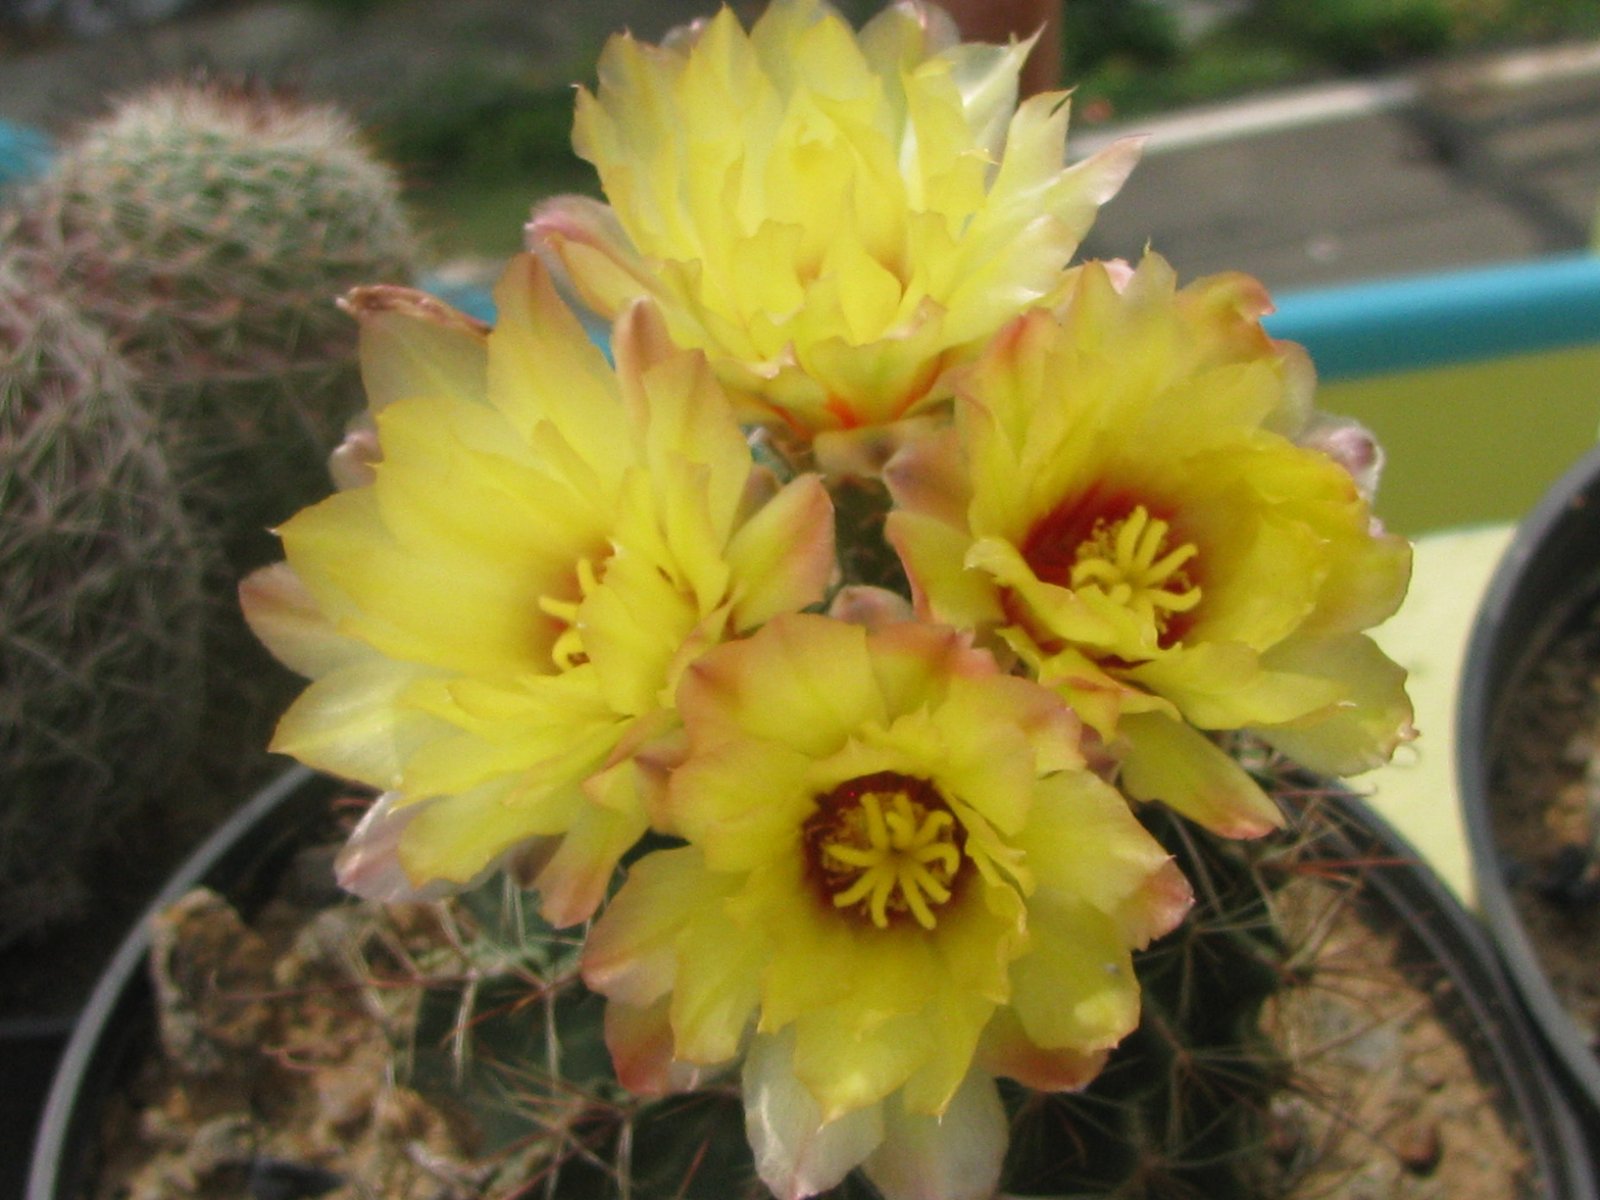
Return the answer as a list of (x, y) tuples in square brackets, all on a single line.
[(210, 229), (100, 655)]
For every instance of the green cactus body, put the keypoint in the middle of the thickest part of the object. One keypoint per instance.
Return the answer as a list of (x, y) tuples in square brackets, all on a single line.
[(210, 230), (100, 600)]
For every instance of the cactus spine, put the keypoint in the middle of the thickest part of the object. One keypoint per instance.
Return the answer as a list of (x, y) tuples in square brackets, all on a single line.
[(100, 602)]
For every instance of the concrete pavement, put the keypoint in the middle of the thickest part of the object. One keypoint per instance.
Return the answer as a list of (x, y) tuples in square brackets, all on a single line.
[(1462, 165)]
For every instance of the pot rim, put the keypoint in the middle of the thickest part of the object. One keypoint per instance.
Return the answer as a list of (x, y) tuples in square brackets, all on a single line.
[(1513, 622)]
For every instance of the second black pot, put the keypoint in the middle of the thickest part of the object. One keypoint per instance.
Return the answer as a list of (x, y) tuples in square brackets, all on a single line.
[(1547, 580)]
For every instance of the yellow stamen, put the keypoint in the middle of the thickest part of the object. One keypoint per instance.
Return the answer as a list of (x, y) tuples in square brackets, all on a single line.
[(567, 651), (902, 858), (1129, 562)]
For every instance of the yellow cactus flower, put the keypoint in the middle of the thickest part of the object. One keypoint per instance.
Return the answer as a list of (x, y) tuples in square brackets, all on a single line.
[(834, 218), (496, 617), (1121, 504), (898, 881)]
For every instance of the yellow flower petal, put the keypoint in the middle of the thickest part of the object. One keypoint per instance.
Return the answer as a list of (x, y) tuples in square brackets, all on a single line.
[(943, 587), (712, 1005), (353, 722), (797, 1153), (901, 204), (1370, 719), (455, 838), (629, 955), (414, 345), (589, 247), (578, 874), (1170, 762), (1142, 531), (1007, 1050), (499, 610), (1083, 840), (1076, 987), (955, 1156), (282, 613), (784, 554), (889, 841), (543, 366), (830, 689), (847, 1070)]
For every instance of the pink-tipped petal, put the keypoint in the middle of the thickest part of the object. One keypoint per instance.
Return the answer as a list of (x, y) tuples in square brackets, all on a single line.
[(784, 554), (640, 1042), (1178, 765), (575, 880), (629, 953), (281, 612), (368, 864), (1007, 1050), (415, 345), (874, 607), (584, 237)]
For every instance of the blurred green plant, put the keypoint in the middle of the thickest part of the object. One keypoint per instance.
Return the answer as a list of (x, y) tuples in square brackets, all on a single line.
[(1360, 35), (1105, 33), (481, 151), (1130, 57)]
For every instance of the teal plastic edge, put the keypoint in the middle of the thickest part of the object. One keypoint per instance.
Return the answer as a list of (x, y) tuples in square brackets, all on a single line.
[(25, 152), (1389, 326), (477, 301), (1445, 319)]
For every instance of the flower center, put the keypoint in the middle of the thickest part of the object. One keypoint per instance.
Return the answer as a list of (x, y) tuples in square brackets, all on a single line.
[(1130, 559), (883, 847), (567, 651)]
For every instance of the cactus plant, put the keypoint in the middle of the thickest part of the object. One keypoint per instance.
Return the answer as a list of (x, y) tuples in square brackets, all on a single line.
[(209, 229), (100, 655)]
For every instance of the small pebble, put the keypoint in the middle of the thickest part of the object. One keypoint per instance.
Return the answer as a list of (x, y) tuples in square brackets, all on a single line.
[(1416, 1143)]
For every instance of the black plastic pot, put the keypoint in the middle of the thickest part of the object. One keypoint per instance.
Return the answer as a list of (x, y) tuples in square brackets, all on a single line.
[(242, 858), (30, 1047), (1548, 576)]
